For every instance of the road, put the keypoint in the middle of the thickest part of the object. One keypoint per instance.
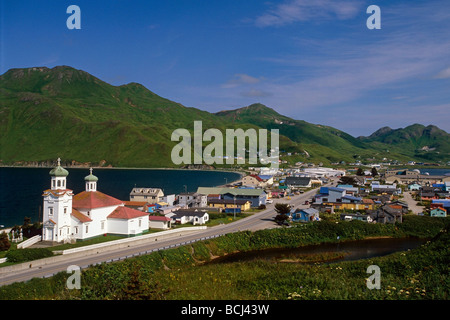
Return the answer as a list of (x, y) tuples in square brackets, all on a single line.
[(412, 204), (257, 221)]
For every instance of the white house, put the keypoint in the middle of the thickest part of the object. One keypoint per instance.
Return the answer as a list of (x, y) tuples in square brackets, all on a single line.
[(68, 217), (193, 216)]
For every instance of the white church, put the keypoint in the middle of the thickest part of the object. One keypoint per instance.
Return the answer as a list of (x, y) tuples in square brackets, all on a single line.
[(68, 217)]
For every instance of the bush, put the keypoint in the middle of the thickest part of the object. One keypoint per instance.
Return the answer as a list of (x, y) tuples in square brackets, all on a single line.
[(4, 242), (22, 255)]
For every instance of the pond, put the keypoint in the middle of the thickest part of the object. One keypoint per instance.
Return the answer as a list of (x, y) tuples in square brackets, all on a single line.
[(327, 252)]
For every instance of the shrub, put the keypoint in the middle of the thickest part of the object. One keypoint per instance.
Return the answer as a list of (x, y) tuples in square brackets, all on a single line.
[(22, 255), (4, 242)]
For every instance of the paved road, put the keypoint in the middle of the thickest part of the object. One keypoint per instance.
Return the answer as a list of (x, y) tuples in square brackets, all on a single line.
[(412, 204), (257, 221)]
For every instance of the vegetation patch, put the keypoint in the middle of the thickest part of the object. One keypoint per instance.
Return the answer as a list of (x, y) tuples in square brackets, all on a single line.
[(180, 273)]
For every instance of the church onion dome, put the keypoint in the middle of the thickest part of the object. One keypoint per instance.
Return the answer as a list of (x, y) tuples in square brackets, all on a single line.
[(59, 171), (91, 177)]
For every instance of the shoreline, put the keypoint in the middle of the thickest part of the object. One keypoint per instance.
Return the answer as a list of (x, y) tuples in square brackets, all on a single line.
[(240, 174)]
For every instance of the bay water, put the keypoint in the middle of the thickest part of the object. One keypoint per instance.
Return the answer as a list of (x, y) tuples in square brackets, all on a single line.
[(21, 189)]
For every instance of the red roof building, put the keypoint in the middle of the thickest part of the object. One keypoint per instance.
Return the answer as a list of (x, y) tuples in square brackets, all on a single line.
[(126, 213), (94, 199)]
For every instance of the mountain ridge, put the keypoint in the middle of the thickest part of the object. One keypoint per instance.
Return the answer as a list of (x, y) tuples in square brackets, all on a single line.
[(70, 113)]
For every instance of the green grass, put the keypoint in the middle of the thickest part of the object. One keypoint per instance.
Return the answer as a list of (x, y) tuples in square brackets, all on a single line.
[(182, 273)]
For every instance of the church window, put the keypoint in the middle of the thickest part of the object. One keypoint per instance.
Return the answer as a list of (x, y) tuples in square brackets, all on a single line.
[(103, 225), (65, 210), (59, 183), (87, 229), (50, 211)]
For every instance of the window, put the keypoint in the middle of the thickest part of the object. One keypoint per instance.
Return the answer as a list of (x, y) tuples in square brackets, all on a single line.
[(103, 225), (65, 209), (87, 229), (50, 211), (140, 222)]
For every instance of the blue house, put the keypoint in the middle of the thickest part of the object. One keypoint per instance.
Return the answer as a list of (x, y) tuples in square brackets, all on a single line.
[(438, 212), (444, 202), (305, 215)]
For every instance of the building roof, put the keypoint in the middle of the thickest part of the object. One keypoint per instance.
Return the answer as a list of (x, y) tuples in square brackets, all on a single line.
[(146, 191), (310, 211), (228, 201), (94, 199), (126, 213), (189, 213), (79, 216), (137, 204), (233, 191), (59, 172), (158, 218), (256, 177), (303, 181)]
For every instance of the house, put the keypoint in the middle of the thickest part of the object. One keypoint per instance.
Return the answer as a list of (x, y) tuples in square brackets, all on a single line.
[(298, 182), (438, 212), (414, 187), (349, 189), (329, 194), (386, 214), (169, 199), (443, 203), (68, 217), (159, 222), (230, 205), (257, 197), (252, 180), (267, 180), (305, 215), (356, 216), (192, 200), (196, 217), (150, 195)]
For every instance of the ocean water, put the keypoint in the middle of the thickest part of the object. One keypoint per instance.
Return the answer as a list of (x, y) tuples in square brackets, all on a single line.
[(21, 188)]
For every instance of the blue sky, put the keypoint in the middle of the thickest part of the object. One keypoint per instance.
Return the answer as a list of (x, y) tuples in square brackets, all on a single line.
[(310, 60)]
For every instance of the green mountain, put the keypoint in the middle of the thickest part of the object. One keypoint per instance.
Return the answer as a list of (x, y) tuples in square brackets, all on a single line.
[(68, 113), (417, 141)]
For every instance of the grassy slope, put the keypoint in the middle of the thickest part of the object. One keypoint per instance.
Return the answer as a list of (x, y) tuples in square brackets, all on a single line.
[(180, 273), (68, 113)]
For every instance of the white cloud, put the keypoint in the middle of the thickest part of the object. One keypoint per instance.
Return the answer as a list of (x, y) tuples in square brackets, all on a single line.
[(241, 79), (444, 74), (305, 10)]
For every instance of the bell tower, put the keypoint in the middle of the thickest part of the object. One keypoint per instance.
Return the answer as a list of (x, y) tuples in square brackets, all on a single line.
[(57, 207), (91, 182)]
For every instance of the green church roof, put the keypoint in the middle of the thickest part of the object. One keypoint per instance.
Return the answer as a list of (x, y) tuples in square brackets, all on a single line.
[(59, 171), (90, 177)]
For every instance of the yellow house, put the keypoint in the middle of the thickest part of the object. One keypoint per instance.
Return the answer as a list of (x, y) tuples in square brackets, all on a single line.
[(365, 204), (242, 205)]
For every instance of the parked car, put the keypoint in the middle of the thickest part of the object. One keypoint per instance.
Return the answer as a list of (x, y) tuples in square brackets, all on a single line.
[(269, 201)]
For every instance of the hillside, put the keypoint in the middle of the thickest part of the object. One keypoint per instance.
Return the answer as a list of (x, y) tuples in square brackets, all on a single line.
[(68, 113), (417, 141)]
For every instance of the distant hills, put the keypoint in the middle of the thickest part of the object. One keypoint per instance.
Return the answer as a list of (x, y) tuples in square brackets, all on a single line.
[(68, 113)]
